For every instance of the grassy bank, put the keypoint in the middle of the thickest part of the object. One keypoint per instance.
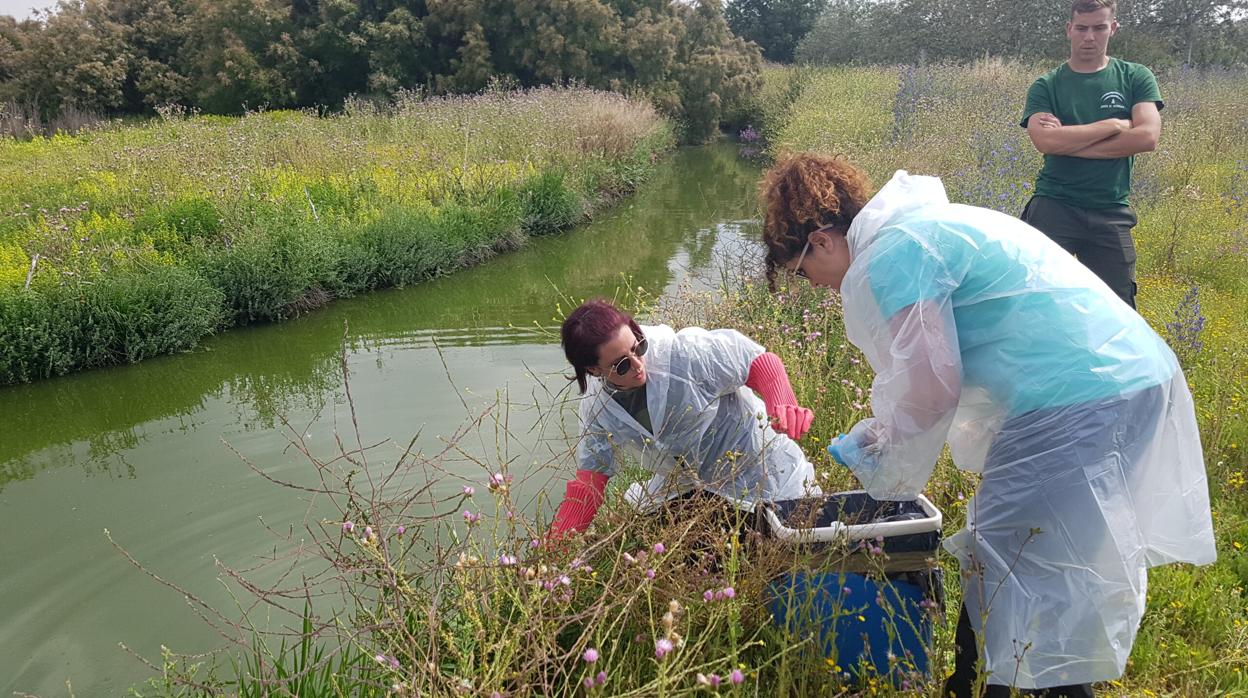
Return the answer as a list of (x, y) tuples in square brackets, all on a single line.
[(442, 593), (961, 123), (121, 244)]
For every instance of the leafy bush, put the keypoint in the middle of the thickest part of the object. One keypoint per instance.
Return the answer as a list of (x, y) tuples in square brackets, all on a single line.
[(117, 319), (549, 204), (187, 218)]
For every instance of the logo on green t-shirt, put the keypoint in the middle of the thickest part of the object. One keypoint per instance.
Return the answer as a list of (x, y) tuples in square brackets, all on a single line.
[(1113, 100)]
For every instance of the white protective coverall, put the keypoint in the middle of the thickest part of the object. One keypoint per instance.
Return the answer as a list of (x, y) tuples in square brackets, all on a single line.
[(709, 429), (985, 334)]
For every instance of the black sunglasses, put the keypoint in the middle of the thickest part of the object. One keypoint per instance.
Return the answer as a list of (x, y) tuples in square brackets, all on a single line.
[(625, 364)]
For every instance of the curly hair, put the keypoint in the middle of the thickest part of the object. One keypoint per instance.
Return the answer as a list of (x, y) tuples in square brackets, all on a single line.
[(802, 193)]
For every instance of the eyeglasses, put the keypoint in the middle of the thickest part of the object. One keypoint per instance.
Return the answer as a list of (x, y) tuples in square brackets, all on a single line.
[(797, 270), (625, 364)]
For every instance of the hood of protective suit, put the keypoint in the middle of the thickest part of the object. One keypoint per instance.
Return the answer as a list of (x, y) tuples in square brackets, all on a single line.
[(903, 193)]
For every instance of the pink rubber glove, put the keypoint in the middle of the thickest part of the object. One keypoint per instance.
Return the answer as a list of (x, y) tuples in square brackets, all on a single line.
[(770, 380), (581, 500)]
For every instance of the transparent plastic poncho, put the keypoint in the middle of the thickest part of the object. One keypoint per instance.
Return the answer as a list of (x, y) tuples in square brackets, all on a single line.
[(709, 430), (985, 335)]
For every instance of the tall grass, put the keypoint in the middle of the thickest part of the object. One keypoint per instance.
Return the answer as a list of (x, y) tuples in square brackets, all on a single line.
[(218, 221), (961, 123)]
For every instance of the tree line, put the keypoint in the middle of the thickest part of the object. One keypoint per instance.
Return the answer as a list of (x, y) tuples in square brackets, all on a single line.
[(226, 56), (1159, 33), (697, 60)]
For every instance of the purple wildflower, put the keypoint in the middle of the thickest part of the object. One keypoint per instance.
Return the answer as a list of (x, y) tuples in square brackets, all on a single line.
[(711, 680), (1184, 331), (590, 656), (662, 646), (499, 481), (736, 676)]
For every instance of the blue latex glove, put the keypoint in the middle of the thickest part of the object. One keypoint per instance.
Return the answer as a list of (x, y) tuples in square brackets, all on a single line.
[(844, 450)]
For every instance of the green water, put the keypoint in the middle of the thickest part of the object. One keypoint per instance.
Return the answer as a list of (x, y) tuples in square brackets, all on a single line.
[(142, 450)]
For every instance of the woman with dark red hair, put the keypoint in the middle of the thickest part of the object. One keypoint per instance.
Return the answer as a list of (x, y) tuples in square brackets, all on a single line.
[(679, 402)]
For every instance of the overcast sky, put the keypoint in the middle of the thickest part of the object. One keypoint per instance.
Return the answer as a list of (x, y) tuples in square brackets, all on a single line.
[(21, 8)]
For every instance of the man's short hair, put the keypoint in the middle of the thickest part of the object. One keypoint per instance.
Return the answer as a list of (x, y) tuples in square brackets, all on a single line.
[(1080, 7)]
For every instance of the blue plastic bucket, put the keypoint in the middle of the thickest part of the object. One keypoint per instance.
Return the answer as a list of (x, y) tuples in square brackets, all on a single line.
[(870, 613)]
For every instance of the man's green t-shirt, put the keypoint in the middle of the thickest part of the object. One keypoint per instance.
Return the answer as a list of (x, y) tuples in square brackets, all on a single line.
[(1083, 98)]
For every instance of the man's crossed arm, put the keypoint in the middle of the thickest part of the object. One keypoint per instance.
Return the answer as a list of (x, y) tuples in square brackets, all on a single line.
[(1100, 140)]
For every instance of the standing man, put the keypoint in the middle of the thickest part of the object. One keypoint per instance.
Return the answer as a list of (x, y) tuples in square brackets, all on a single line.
[(1090, 116)]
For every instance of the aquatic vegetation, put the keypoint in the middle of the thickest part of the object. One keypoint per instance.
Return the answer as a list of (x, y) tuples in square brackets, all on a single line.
[(211, 221)]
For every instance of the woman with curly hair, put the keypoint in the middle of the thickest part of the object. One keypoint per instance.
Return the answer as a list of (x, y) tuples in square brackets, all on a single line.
[(986, 335)]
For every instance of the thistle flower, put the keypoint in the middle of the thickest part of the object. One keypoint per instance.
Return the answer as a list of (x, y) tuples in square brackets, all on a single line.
[(661, 647), (471, 518), (712, 680), (401, 529), (387, 660), (469, 490), (736, 676), (499, 482), (590, 656), (659, 548), (601, 678), (348, 526)]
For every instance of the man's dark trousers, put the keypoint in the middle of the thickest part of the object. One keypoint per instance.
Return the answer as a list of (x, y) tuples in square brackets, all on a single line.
[(1099, 237)]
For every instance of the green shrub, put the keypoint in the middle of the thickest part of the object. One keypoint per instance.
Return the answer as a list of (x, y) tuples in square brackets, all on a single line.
[(550, 204), (287, 271), (125, 317), (187, 218), (396, 249)]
